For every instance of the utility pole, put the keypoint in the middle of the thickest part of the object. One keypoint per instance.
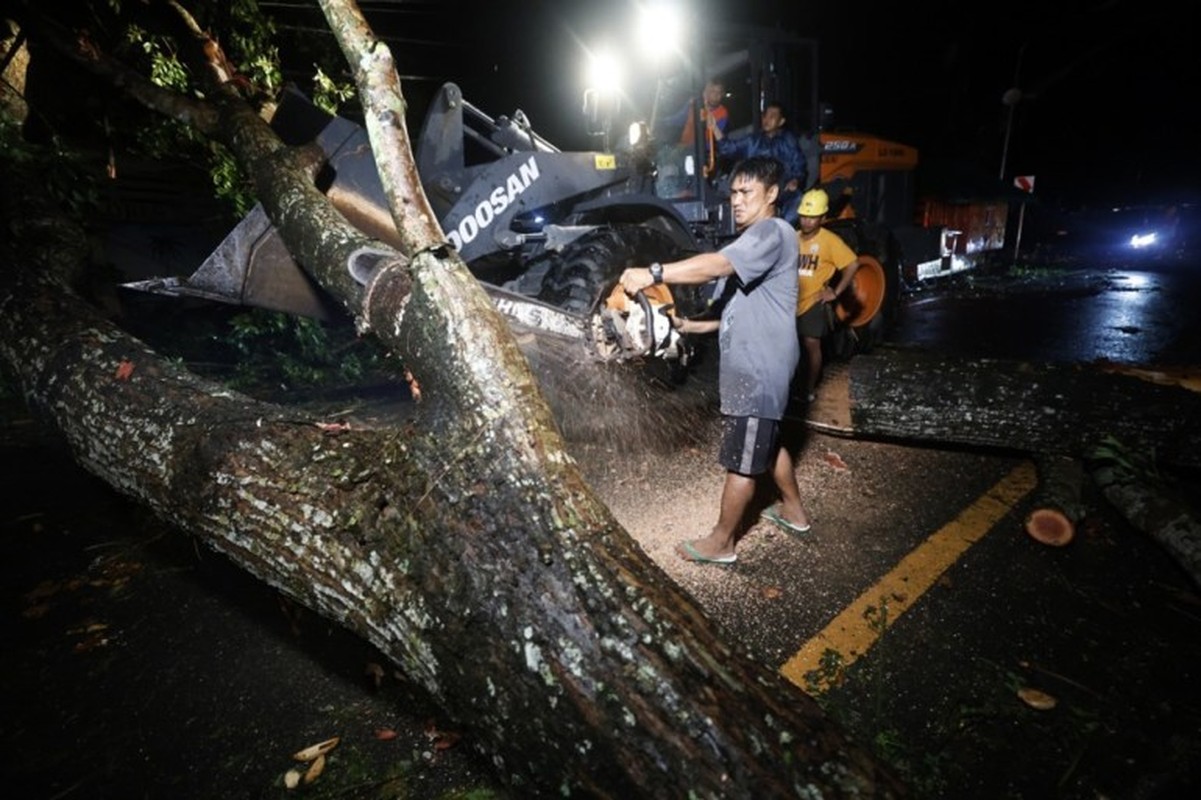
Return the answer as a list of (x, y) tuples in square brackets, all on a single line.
[(1011, 98)]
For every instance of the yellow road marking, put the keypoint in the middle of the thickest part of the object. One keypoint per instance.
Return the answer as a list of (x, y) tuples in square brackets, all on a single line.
[(860, 624)]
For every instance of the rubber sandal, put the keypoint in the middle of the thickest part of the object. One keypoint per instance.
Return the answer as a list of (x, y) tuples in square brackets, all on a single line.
[(773, 516), (690, 553)]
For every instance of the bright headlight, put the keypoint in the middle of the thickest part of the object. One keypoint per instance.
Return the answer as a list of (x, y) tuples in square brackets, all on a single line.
[(636, 134), (660, 28), (604, 72)]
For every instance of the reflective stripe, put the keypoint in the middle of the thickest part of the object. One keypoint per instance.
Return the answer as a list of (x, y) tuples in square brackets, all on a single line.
[(747, 461)]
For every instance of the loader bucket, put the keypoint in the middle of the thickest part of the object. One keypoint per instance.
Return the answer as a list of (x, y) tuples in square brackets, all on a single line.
[(251, 267), (858, 306)]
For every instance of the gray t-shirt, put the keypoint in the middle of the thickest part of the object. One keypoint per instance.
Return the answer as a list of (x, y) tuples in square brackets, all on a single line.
[(757, 337)]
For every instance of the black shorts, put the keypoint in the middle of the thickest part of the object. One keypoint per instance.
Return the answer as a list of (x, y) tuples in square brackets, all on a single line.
[(749, 444), (814, 323)]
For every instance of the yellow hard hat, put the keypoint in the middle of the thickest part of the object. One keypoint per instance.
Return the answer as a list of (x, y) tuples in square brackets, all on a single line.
[(814, 203)]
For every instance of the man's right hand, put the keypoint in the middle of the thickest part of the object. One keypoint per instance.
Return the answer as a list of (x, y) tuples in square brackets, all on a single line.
[(635, 279)]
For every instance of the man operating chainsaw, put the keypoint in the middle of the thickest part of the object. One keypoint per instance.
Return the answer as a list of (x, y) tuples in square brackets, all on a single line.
[(758, 353)]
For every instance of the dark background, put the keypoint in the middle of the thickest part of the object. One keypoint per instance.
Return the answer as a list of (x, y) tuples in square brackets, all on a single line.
[(1107, 86)]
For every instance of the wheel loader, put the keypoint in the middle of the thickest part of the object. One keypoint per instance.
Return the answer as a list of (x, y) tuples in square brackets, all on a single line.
[(547, 232)]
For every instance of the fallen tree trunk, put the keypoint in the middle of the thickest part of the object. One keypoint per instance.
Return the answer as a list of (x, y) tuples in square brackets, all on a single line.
[(1055, 409), (478, 561), (464, 543), (1131, 483), (1056, 413)]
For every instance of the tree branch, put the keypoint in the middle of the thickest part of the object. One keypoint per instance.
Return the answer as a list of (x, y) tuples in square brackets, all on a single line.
[(384, 113), (81, 48)]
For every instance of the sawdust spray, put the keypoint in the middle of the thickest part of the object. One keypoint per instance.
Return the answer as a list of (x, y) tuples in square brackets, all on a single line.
[(636, 406)]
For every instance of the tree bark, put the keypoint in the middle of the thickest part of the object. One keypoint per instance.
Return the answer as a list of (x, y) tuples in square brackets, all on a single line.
[(1132, 484), (462, 542), (1056, 413), (1036, 408)]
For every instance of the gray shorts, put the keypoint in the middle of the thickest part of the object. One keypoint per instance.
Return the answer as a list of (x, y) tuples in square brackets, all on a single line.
[(749, 444), (814, 323)]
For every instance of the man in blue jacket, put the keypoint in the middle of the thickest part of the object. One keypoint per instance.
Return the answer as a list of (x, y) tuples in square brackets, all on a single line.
[(773, 140)]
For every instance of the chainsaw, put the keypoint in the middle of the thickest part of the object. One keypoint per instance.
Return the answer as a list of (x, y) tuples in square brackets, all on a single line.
[(642, 326)]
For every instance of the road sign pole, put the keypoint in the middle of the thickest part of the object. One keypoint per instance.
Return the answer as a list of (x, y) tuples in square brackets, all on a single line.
[(1017, 240), (1026, 184)]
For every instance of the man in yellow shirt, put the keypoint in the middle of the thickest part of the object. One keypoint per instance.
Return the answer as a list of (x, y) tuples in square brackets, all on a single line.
[(823, 254)]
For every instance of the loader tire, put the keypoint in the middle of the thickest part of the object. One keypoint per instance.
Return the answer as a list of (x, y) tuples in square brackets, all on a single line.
[(580, 276), (876, 241)]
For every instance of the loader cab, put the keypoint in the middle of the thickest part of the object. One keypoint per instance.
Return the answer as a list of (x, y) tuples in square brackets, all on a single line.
[(647, 116), (761, 65)]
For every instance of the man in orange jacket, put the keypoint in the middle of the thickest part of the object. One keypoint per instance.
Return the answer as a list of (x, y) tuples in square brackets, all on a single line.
[(714, 115)]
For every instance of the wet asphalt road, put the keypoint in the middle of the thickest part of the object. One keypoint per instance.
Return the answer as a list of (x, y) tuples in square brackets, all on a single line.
[(1136, 314), (922, 655), (1108, 626)]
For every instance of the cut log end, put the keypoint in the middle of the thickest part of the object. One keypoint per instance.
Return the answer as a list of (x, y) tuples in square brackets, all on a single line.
[(1050, 526)]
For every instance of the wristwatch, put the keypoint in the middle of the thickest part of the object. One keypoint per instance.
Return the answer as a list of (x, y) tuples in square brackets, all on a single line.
[(657, 272)]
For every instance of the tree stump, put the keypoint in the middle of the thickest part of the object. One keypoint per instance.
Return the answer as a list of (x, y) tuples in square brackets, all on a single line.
[(1057, 505)]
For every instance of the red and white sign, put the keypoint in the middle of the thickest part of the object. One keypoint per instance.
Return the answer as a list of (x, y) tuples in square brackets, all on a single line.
[(1025, 183)]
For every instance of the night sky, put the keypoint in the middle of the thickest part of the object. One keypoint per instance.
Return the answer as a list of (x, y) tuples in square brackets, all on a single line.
[(1108, 87)]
